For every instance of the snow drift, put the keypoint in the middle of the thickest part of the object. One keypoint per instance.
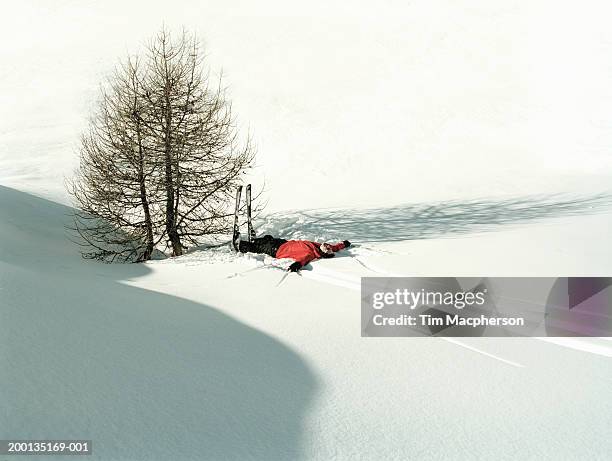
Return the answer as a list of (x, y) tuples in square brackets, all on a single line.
[(143, 374)]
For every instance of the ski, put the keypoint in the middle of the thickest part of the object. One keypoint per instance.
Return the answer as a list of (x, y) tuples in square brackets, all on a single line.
[(236, 234), (251, 232)]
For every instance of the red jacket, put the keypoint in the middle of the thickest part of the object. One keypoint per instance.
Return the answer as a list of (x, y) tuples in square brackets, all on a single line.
[(303, 251)]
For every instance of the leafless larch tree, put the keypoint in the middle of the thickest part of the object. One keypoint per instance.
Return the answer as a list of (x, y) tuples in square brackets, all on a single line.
[(113, 183), (162, 157)]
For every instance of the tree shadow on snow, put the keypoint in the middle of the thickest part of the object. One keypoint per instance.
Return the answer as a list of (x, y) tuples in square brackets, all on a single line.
[(430, 220), (145, 376)]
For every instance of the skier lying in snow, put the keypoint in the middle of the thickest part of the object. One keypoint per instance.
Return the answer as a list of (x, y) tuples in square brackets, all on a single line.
[(302, 251)]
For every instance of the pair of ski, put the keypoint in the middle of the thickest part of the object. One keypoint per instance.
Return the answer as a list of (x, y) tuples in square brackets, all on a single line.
[(250, 231)]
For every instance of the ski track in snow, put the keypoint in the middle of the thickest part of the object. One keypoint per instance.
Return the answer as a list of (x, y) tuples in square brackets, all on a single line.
[(353, 282), (581, 344), (359, 255), (475, 349)]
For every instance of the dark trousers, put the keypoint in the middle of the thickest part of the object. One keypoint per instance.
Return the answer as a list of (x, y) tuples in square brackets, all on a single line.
[(266, 245)]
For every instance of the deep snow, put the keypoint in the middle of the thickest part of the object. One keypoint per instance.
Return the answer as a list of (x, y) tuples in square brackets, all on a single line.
[(202, 357), (142, 374), (450, 139)]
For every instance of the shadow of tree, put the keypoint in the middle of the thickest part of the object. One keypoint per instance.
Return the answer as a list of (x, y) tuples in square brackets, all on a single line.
[(429, 220), (145, 376)]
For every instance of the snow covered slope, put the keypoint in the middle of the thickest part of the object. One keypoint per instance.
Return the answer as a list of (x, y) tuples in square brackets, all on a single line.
[(349, 105), (143, 374), (203, 357)]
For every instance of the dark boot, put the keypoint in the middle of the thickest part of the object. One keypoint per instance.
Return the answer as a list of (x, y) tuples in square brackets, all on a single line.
[(246, 247)]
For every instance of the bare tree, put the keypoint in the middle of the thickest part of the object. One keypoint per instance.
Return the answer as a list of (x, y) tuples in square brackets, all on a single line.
[(161, 159), (113, 188), (197, 141)]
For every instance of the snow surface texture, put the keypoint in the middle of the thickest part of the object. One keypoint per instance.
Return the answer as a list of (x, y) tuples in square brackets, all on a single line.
[(450, 140), (207, 357), (144, 374)]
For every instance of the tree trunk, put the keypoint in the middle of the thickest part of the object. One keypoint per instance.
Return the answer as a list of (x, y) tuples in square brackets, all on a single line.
[(171, 230), (146, 255)]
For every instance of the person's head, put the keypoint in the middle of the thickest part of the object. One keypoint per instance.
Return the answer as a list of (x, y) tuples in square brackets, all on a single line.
[(326, 249)]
